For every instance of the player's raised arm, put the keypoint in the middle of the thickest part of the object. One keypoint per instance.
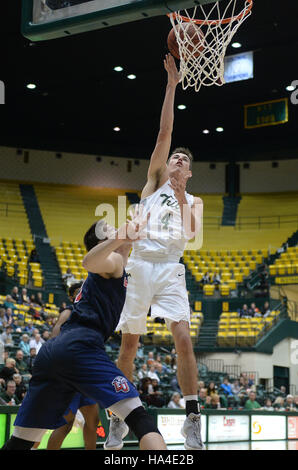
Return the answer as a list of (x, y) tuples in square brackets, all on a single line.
[(161, 151), (110, 256)]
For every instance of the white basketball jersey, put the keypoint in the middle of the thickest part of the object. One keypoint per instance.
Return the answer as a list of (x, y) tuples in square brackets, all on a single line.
[(165, 234)]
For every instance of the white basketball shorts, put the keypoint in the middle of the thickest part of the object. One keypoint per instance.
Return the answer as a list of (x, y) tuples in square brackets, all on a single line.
[(159, 285)]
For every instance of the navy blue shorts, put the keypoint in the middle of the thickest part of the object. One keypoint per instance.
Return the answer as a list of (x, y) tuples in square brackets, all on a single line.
[(73, 362), (78, 402)]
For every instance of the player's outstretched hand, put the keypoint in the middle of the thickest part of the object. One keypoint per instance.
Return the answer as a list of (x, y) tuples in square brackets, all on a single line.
[(174, 77), (134, 229), (178, 183)]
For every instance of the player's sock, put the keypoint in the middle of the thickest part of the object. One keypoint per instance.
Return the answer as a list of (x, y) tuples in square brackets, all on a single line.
[(191, 404)]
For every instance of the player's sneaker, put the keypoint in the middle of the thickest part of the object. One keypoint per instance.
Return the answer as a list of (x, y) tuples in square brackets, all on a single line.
[(118, 431), (191, 430)]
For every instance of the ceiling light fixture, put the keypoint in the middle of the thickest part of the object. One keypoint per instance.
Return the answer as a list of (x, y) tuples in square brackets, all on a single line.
[(219, 129), (290, 88), (31, 86), (116, 129), (118, 68), (181, 106), (236, 45), (206, 131), (131, 76)]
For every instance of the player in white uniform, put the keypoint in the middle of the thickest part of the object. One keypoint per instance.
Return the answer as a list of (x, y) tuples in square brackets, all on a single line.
[(156, 278)]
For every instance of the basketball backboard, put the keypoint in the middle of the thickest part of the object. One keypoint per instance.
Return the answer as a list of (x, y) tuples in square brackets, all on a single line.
[(49, 19)]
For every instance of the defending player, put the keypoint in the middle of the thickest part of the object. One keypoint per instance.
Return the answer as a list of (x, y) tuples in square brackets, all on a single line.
[(75, 361), (87, 406), (157, 279)]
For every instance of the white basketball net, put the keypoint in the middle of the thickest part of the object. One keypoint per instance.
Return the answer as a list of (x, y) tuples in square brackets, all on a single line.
[(202, 54)]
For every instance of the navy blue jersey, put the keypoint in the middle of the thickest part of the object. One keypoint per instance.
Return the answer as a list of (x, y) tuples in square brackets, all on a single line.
[(99, 303)]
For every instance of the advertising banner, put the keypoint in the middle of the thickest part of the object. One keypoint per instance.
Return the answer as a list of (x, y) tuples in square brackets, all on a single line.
[(268, 427), (228, 428)]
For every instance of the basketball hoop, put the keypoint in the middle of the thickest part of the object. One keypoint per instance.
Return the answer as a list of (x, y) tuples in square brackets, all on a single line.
[(203, 35)]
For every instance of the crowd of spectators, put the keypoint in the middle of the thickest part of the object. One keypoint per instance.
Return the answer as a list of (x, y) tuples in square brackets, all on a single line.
[(155, 374), (20, 342), (253, 312)]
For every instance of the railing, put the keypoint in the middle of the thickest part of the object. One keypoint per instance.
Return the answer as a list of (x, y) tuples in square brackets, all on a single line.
[(254, 222), (266, 221), (7, 208)]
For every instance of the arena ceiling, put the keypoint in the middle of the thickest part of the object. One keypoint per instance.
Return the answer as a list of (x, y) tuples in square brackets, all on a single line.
[(79, 98)]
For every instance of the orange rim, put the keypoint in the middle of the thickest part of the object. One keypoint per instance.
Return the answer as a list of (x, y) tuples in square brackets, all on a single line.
[(210, 22)]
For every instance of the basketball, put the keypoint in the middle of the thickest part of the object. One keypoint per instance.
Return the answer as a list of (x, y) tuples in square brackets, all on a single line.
[(195, 37)]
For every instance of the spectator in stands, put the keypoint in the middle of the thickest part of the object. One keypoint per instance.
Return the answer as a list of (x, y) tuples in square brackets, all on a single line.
[(175, 385), (268, 405), (144, 388), (235, 387), (212, 402), (202, 397), (24, 299), (6, 336), (248, 381), (45, 335), (296, 402), (254, 310), (39, 300), (216, 280), (31, 359), (283, 391), (244, 312), (176, 402), (206, 278), (266, 310), (251, 403), (24, 344), (21, 365), (9, 303), (21, 388), (140, 351), (15, 294), (2, 318), (155, 395), (278, 404), (201, 384), (150, 359), (34, 258), (225, 387), (289, 403), (159, 370), (143, 372), (36, 342), (152, 373), (9, 395), (168, 364), (211, 389), (29, 328), (9, 319), (69, 278), (8, 370)]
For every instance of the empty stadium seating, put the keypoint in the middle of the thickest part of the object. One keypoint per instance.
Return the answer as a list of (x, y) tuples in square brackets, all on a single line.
[(14, 259), (13, 217), (68, 211), (243, 332), (233, 265), (287, 263)]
